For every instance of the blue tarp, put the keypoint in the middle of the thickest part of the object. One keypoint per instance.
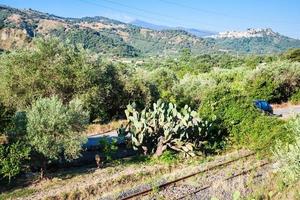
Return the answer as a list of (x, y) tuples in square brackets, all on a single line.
[(263, 105)]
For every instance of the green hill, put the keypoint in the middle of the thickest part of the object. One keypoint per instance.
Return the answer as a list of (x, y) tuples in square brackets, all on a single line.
[(114, 38)]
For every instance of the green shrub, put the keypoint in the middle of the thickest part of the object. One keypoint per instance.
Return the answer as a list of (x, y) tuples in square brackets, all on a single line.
[(275, 82), (12, 157), (138, 90), (292, 54), (191, 89), (52, 68), (236, 116), (108, 147), (53, 129), (15, 150), (164, 127), (288, 155), (164, 79), (48, 69), (6, 116), (295, 98)]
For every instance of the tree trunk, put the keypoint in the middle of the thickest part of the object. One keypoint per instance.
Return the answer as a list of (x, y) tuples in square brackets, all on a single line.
[(43, 170), (160, 147)]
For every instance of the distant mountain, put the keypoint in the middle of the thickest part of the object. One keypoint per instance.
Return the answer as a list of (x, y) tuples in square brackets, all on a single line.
[(193, 31), (117, 39), (197, 32), (144, 24)]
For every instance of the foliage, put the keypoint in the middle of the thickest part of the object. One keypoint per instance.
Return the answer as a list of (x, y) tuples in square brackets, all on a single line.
[(295, 98), (164, 127), (168, 157), (235, 115), (275, 82), (98, 42), (288, 155), (68, 72), (191, 89), (139, 90), (15, 151), (292, 54), (53, 128), (108, 147), (49, 69), (5, 118), (12, 157), (164, 79)]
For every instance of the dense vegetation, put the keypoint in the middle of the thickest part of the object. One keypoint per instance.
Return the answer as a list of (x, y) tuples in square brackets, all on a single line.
[(99, 42), (50, 92)]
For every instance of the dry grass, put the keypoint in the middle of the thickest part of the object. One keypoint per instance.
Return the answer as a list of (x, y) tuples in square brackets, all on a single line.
[(3, 139), (99, 181), (83, 183), (104, 128)]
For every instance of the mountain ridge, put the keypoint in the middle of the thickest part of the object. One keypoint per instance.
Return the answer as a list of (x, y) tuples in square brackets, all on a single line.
[(114, 38), (194, 31)]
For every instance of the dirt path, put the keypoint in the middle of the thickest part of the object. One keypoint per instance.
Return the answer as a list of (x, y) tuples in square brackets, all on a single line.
[(286, 110)]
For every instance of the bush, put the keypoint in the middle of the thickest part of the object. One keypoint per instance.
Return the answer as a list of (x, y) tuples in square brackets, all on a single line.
[(288, 155), (164, 79), (14, 151), (295, 98), (53, 129), (109, 147), (12, 158), (6, 116), (275, 82), (164, 127), (292, 54), (236, 116), (139, 90), (191, 89)]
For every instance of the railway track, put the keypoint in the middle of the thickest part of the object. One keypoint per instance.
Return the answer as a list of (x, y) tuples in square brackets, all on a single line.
[(144, 192), (244, 172)]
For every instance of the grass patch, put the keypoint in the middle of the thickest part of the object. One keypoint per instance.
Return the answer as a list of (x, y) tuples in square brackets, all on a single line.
[(24, 192)]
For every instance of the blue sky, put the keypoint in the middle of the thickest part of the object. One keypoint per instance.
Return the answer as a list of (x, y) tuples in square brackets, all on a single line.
[(217, 15)]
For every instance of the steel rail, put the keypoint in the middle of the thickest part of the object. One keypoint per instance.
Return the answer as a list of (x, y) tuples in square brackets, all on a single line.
[(146, 191)]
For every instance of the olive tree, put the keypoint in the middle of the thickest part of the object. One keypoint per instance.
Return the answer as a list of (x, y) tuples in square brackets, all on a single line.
[(52, 68), (53, 129)]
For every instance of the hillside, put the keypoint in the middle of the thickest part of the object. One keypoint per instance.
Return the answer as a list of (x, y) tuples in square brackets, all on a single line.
[(193, 31), (114, 38), (258, 41)]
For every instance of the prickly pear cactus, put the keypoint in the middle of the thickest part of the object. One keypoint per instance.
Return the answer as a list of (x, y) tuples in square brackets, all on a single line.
[(165, 127)]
